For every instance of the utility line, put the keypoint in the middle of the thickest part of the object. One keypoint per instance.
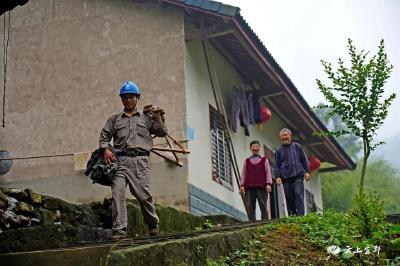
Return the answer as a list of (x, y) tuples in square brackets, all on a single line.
[(5, 59)]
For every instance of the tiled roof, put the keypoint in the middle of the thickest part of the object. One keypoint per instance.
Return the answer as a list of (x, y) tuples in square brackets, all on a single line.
[(7, 5), (212, 6)]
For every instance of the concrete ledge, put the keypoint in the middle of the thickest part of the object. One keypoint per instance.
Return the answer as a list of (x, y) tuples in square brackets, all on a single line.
[(91, 223), (48, 237), (88, 256), (189, 251)]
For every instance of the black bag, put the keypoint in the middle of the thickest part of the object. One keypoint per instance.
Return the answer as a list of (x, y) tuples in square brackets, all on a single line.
[(98, 171)]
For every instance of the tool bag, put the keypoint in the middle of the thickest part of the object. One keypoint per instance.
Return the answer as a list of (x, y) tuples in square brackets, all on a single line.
[(98, 171)]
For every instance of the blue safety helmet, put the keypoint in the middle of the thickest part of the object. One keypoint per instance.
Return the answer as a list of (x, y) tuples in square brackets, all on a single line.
[(129, 87)]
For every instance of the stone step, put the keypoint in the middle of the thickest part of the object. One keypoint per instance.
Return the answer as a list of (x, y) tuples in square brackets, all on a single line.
[(84, 223), (189, 251), (91, 255), (192, 250)]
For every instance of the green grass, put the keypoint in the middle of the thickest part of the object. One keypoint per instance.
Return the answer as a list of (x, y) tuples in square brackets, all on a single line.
[(318, 232)]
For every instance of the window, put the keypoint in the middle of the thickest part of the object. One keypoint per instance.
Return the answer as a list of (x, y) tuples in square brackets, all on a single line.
[(221, 162)]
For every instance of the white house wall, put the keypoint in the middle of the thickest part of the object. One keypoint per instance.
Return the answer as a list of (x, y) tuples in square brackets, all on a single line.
[(198, 97)]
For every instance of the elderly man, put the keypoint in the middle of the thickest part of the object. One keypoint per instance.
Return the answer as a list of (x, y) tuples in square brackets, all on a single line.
[(131, 133), (291, 167)]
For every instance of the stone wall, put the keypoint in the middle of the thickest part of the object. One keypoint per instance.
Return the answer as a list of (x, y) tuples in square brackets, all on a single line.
[(31, 221)]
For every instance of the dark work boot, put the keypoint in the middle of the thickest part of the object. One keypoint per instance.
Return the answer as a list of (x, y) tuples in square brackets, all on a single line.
[(155, 231), (118, 235)]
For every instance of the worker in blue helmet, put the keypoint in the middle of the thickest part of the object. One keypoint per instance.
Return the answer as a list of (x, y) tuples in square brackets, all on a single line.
[(131, 132), (129, 88)]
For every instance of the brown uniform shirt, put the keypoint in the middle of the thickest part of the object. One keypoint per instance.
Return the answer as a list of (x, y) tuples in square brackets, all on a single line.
[(131, 132)]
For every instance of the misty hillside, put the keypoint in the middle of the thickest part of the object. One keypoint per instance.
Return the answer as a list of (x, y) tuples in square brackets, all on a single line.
[(390, 151)]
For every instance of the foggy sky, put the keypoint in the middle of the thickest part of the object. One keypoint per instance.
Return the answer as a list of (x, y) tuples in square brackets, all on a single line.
[(299, 33)]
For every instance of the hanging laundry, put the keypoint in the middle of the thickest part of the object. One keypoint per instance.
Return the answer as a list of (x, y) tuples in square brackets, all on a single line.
[(250, 105), (240, 110), (256, 109)]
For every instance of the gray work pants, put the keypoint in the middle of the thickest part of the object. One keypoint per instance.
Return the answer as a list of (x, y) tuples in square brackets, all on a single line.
[(134, 172), (260, 194)]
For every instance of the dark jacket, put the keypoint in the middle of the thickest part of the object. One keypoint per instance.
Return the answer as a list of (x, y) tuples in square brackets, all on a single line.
[(290, 161)]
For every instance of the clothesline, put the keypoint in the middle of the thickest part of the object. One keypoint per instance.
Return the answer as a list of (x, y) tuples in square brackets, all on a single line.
[(72, 154)]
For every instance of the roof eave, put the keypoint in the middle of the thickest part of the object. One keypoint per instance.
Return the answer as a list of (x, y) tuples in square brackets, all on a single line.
[(232, 13), (288, 85), (208, 7)]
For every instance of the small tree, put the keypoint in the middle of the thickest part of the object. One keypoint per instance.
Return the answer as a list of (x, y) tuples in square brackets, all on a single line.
[(356, 95), (351, 143)]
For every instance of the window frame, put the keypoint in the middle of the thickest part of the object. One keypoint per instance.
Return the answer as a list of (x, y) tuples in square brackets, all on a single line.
[(212, 114)]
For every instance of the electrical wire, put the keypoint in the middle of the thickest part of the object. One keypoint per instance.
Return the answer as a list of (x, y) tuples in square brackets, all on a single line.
[(5, 59)]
